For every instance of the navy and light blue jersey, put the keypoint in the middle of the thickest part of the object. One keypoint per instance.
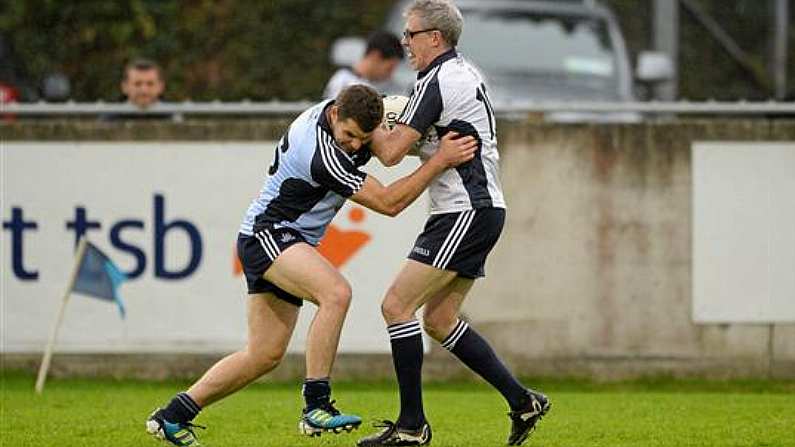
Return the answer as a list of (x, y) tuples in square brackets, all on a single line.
[(450, 94), (309, 180)]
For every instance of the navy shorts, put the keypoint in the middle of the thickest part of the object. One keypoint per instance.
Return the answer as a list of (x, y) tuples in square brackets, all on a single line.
[(459, 242), (257, 254)]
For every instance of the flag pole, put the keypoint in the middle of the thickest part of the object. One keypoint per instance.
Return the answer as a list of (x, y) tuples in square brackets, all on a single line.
[(45, 361)]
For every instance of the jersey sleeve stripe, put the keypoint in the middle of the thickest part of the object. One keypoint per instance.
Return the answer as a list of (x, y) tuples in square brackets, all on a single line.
[(322, 143), (350, 179), (414, 102), (417, 98), (358, 181), (332, 165)]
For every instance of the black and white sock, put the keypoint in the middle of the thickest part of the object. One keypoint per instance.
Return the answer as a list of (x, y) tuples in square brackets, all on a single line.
[(475, 352), (406, 341), (317, 392), (181, 409)]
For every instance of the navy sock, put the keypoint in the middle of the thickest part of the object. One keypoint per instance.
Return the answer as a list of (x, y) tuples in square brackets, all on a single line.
[(475, 352), (406, 340), (317, 392), (181, 409)]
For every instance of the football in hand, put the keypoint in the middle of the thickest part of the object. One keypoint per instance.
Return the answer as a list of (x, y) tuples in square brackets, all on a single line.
[(393, 107)]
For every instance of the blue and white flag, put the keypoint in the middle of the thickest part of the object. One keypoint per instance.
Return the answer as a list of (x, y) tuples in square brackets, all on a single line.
[(99, 277)]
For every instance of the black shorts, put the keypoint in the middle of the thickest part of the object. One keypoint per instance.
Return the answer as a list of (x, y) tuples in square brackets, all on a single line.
[(459, 242), (257, 254)]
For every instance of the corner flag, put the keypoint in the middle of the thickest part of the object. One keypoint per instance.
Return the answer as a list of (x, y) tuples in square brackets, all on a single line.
[(99, 277), (93, 274)]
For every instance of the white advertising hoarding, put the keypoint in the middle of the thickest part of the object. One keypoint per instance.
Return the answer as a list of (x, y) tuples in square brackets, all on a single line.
[(167, 214), (743, 232)]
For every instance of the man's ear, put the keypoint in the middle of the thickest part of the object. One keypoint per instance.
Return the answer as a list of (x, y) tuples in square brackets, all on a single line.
[(334, 113), (437, 38)]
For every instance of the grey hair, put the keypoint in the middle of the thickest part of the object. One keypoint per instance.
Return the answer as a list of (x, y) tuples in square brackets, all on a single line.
[(440, 14)]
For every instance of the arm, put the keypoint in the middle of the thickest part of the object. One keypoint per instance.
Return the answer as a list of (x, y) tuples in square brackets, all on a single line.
[(391, 146), (391, 200), (423, 109)]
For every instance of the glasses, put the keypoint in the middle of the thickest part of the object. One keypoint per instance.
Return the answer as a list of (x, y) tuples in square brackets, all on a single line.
[(408, 35)]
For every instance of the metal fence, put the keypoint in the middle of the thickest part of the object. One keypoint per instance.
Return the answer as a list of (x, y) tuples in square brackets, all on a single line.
[(506, 109)]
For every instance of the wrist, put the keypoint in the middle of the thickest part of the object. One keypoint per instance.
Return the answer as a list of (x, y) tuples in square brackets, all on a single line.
[(437, 163)]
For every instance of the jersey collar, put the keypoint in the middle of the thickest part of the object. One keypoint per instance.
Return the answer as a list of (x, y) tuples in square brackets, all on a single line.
[(324, 124), (440, 59), (322, 120)]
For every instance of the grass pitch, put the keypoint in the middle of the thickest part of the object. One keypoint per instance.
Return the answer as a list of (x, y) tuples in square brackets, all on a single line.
[(651, 413)]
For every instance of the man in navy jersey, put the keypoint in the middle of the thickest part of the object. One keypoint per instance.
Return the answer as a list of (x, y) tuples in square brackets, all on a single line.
[(467, 216), (316, 168)]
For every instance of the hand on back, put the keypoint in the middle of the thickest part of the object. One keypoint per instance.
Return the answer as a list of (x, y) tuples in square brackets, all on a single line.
[(455, 149)]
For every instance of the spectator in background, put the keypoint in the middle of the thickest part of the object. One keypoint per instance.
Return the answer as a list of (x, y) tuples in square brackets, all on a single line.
[(142, 83), (8, 94), (142, 86), (381, 57), (14, 85)]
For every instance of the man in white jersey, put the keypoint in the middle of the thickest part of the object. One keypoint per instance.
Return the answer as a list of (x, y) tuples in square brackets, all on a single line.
[(467, 216), (316, 168), (382, 55)]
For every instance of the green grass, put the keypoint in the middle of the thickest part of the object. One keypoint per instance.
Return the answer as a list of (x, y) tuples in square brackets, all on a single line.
[(662, 412)]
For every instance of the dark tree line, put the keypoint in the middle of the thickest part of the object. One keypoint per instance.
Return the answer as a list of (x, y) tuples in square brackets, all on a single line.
[(237, 49)]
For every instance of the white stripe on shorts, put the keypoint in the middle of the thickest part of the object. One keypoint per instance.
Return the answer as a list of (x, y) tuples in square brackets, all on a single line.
[(268, 244), (453, 239)]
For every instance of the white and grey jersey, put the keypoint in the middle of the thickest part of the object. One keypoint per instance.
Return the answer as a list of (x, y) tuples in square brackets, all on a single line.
[(340, 79), (309, 180), (347, 76), (450, 95)]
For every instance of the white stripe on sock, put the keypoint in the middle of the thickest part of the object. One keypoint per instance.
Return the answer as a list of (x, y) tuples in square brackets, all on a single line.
[(403, 330), (452, 339)]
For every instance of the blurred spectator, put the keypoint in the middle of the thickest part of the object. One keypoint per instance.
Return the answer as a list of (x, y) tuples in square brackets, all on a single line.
[(381, 57), (143, 83), (8, 94), (14, 84), (56, 87), (142, 86)]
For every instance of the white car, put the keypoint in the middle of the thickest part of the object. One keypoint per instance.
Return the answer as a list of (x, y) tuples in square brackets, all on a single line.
[(551, 50)]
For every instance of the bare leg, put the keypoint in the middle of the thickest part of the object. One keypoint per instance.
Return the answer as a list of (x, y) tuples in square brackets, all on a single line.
[(303, 272), (441, 312), (441, 320), (270, 325), (414, 285)]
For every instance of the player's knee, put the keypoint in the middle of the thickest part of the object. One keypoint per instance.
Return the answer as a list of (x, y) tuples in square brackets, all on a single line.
[(266, 360), (437, 326), (431, 329), (393, 310), (338, 296), (268, 363)]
